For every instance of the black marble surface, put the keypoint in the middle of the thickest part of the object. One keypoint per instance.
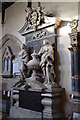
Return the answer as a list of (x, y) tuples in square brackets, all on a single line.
[(30, 100)]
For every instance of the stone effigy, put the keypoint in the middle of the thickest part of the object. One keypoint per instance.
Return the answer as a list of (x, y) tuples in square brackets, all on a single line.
[(23, 59), (47, 62)]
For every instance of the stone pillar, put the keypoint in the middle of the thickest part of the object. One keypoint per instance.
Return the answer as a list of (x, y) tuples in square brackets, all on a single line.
[(72, 68), (75, 70)]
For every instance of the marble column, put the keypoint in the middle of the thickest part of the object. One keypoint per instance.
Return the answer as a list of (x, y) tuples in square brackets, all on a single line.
[(72, 68), (75, 71)]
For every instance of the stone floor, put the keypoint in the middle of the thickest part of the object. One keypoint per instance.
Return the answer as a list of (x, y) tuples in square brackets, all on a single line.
[(20, 113)]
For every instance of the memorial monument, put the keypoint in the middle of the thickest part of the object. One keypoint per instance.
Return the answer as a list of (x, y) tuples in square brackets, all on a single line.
[(42, 80)]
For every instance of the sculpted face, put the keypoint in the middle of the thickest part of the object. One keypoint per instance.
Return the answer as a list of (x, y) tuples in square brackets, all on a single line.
[(45, 42)]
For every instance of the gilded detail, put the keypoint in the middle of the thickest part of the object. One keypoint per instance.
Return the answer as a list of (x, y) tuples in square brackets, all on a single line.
[(74, 25)]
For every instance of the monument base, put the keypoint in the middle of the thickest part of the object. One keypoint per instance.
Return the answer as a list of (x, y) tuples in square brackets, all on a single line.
[(24, 113), (52, 102)]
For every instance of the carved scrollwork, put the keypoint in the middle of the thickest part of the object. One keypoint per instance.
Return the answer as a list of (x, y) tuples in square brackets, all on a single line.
[(39, 35)]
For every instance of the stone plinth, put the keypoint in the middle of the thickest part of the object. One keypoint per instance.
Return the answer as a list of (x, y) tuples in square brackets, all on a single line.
[(52, 103)]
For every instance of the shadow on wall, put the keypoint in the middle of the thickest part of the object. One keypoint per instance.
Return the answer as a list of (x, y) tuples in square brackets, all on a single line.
[(64, 97), (63, 72), (63, 60), (58, 64)]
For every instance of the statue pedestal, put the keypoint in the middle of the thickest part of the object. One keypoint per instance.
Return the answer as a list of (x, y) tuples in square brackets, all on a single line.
[(52, 103), (46, 103)]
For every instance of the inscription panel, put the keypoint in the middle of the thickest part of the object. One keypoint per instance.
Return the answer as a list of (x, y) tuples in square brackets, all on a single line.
[(30, 100)]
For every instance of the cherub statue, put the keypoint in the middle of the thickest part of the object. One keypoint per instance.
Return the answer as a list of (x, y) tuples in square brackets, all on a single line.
[(47, 61)]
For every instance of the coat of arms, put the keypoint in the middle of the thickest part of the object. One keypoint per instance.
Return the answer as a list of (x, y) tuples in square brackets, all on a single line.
[(34, 17)]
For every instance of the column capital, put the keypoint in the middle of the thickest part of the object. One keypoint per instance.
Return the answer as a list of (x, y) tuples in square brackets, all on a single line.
[(71, 49), (75, 40)]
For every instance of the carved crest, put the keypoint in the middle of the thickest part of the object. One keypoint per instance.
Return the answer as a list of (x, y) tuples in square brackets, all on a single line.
[(34, 18)]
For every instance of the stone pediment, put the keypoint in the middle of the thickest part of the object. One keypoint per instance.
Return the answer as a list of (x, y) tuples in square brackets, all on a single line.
[(37, 19), (24, 31)]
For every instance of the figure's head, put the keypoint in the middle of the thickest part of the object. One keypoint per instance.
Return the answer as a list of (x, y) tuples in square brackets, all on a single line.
[(46, 42)]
